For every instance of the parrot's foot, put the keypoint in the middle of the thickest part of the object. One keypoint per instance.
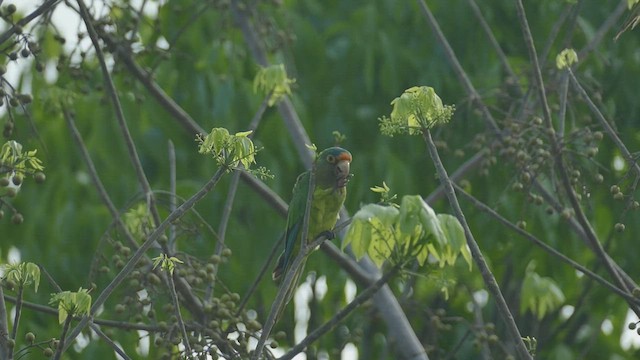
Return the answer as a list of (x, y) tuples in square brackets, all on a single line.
[(330, 235)]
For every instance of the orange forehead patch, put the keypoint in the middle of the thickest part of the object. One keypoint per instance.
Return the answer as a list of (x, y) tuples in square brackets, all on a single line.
[(344, 156)]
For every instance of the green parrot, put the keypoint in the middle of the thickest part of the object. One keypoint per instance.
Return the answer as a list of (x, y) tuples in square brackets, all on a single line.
[(331, 177)]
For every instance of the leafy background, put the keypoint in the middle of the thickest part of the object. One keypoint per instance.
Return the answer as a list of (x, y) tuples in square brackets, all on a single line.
[(349, 59)]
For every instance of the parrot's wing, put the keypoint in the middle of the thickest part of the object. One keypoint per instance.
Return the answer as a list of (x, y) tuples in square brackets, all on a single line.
[(295, 219)]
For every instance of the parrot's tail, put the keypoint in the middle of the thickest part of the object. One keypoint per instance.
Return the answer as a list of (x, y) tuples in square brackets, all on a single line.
[(278, 271), (290, 291)]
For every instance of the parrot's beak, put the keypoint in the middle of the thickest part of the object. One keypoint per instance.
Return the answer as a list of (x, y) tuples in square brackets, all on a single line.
[(342, 172)]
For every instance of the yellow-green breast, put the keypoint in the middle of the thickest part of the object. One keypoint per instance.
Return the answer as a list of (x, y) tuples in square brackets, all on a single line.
[(325, 207)]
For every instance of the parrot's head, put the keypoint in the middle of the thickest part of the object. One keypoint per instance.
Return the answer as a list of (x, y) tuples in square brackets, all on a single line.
[(332, 168)]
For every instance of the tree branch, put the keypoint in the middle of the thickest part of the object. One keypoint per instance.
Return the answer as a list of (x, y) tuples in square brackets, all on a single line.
[(130, 265), (341, 315), (487, 276)]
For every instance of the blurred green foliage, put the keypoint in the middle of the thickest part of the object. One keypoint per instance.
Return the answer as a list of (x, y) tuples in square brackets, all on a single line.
[(349, 60)]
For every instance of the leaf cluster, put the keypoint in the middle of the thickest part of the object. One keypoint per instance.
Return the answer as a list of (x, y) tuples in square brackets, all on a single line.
[(412, 231), (228, 150), (71, 303), (23, 274), (417, 109)]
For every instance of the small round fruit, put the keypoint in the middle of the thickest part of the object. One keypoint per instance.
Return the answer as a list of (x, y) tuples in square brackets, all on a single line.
[(598, 178), (598, 135), (17, 218), (620, 227), (40, 177), (17, 180), (29, 337)]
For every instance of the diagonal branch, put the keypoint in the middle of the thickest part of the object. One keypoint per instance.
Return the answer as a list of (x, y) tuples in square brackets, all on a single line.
[(559, 161), (548, 249), (487, 276), (605, 124), (293, 272), (397, 322), (341, 315), (44, 7), (117, 106), (457, 68), (130, 265)]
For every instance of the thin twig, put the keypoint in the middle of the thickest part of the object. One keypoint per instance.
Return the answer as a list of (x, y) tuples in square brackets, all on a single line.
[(103, 322), (564, 89), (130, 265), (49, 278), (457, 68), (552, 200), (293, 272), (228, 205), (611, 20), (172, 195), (146, 79), (46, 6), (605, 124), (5, 351), (548, 249), (263, 270), (183, 287), (289, 115), (555, 29), (110, 342), (178, 314), (117, 106), (285, 287), (61, 344), (485, 351), (341, 315), (487, 276), (95, 179), (558, 159), (191, 301), (502, 57), (16, 318)]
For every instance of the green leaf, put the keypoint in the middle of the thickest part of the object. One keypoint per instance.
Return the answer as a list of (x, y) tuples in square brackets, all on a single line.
[(138, 220), (370, 227), (33, 272), (382, 241), (23, 274), (228, 150), (415, 212), (418, 108), (219, 139), (273, 79), (455, 237), (71, 303), (566, 58), (166, 263), (540, 295)]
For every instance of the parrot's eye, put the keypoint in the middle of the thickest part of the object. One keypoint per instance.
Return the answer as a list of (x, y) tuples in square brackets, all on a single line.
[(331, 159)]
